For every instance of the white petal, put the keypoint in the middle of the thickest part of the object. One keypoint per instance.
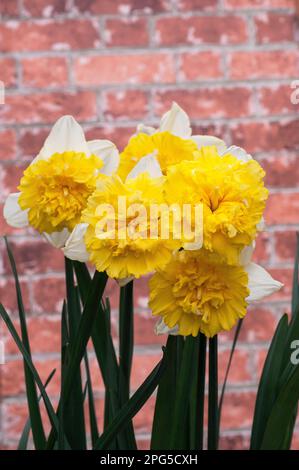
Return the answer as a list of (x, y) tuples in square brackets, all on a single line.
[(12, 212), (260, 283), (108, 152), (176, 121), (124, 281), (75, 248), (261, 225), (246, 254), (238, 152), (207, 140), (148, 164), (66, 134), (162, 329), (57, 239), (141, 128)]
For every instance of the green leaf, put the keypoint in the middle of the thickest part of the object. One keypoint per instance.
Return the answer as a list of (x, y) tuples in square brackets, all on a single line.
[(92, 413), (38, 432), (131, 408), (23, 443), (295, 290), (180, 427), (213, 417), (269, 384), (197, 398), (165, 401)]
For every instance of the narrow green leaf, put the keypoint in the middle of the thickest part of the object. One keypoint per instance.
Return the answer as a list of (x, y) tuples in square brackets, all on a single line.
[(38, 432), (23, 442), (92, 413), (180, 428), (131, 408), (269, 384), (197, 399), (213, 418)]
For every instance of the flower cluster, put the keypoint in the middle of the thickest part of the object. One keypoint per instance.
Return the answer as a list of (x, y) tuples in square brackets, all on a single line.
[(124, 213)]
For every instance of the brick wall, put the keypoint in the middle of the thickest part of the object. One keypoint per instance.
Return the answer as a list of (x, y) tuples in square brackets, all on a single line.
[(112, 64)]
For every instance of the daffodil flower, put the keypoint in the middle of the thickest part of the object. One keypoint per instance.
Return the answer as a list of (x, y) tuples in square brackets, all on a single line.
[(56, 185), (196, 292)]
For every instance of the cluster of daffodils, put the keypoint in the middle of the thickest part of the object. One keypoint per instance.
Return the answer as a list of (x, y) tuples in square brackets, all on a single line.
[(72, 191)]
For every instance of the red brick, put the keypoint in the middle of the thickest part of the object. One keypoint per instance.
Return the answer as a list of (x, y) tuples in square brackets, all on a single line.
[(281, 171), (9, 298), (107, 7), (200, 65), (276, 100), (271, 28), (119, 135), (10, 179), (48, 295), (46, 8), (6, 229), (31, 141), (126, 32), (285, 245), (45, 72), (8, 72), (9, 8), (133, 68), (237, 411), (8, 144), (202, 5), (258, 325), (240, 367), (207, 103), (142, 367), (143, 420), (125, 105), (262, 249), (197, 30), (35, 256), (46, 34), (47, 107), (234, 442), (285, 276), (248, 4), (282, 208), (264, 64), (144, 334), (265, 136)]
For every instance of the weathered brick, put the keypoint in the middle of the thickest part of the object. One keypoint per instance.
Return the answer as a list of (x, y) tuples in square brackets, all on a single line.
[(272, 27), (258, 326), (31, 141), (125, 105), (47, 107), (119, 135), (10, 179), (9, 297), (45, 8), (248, 4), (276, 100), (9, 8), (48, 295), (263, 64), (281, 171), (187, 5), (237, 411), (8, 72), (282, 208), (197, 30), (118, 69), (205, 103), (126, 32), (45, 72), (45, 35), (200, 65), (106, 7), (240, 368), (8, 144), (285, 245)]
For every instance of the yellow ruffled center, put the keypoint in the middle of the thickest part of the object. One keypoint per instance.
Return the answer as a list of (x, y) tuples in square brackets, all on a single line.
[(55, 191), (198, 293)]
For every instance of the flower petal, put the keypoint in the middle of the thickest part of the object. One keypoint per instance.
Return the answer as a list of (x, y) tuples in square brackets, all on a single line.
[(75, 248), (57, 239), (246, 254), (124, 281), (66, 135), (260, 283), (107, 151), (148, 164), (208, 140), (176, 121), (238, 152), (162, 329), (13, 214), (141, 128)]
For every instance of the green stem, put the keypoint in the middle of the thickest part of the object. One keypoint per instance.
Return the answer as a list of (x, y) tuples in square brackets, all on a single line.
[(213, 420)]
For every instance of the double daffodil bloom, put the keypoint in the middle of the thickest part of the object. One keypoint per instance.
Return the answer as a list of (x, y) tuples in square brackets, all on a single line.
[(55, 187), (171, 143), (196, 292)]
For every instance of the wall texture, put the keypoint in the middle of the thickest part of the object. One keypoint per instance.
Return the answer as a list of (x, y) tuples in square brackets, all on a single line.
[(112, 64)]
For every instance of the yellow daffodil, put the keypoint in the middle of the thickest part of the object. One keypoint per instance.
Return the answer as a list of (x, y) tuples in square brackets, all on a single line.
[(196, 292), (171, 143), (230, 187), (55, 187)]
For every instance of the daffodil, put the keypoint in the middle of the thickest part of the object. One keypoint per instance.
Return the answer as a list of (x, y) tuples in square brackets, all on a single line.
[(231, 190), (55, 187), (171, 143), (196, 292)]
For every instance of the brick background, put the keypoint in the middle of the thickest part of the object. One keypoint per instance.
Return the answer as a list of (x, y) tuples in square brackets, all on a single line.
[(230, 64)]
